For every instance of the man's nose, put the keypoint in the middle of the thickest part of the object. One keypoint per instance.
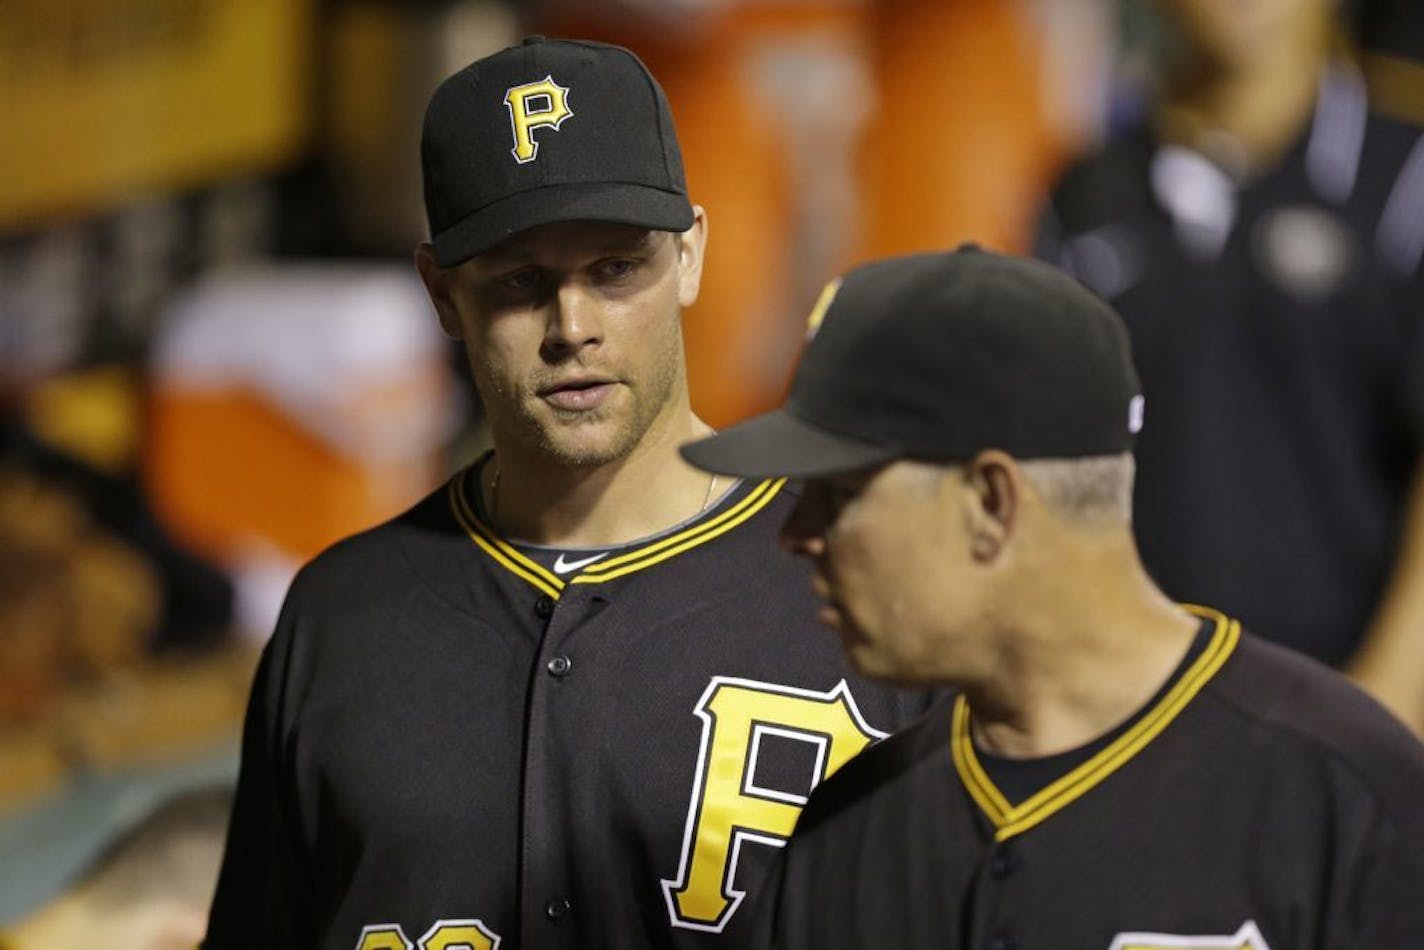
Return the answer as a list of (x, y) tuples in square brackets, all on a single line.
[(574, 319)]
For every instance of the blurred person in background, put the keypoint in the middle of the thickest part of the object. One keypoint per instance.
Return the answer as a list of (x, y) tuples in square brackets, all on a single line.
[(1261, 231), (149, 889)]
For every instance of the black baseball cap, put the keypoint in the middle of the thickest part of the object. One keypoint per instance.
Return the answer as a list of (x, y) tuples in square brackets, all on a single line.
[(550, 130), (938, 357)]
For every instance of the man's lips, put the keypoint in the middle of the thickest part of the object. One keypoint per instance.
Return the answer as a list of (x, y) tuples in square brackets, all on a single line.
[(582, 393)]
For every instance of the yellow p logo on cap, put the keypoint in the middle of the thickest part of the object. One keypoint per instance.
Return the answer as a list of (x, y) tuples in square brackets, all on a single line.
[(531, 106)]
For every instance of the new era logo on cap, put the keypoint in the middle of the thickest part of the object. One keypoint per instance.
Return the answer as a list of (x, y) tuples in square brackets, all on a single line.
[(548, 131)]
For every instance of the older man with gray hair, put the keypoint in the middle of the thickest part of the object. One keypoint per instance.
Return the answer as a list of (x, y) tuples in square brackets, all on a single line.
[(1116, 770)]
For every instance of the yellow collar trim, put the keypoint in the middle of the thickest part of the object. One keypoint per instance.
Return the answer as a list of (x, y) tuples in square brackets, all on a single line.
[(503, 553), (510, 558), (1010, 820)]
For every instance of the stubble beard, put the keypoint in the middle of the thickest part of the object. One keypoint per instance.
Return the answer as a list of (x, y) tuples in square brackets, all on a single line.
[(566, 438)]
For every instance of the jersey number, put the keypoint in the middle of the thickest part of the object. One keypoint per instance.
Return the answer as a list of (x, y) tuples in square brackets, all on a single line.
[(445, 935), (728, 806)]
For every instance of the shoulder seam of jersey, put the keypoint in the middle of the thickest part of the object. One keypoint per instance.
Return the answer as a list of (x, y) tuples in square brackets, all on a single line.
[(1011, 820), (1337, 753), (511, 559)]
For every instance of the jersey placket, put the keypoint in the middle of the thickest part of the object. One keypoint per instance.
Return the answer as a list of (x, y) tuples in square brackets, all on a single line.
[(989, 927), (548, 912)]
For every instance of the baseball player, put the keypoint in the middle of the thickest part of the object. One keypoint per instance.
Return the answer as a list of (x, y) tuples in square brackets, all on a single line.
[(1116, 771), (574, 698)]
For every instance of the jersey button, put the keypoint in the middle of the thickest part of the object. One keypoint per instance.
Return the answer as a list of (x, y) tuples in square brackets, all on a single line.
[(559, 666), (1004, 942), (558, 908), (544, 607), (1003, 864)]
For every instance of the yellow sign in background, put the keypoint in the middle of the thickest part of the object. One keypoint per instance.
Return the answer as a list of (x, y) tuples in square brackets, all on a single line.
[(101, 99)]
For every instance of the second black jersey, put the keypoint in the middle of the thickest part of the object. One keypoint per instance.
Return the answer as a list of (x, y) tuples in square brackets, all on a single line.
[(1259, 802), (450, 745)]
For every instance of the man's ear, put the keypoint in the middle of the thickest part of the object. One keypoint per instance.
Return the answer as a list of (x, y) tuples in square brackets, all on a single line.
[(994, 488), (438, 283), (690, 246)]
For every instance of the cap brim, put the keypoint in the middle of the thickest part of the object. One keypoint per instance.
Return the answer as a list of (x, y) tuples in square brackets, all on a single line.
[(616, 202), (778, 444)]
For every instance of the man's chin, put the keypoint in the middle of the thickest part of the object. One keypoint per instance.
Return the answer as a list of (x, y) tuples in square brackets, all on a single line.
[(858, 648), (586, 443)]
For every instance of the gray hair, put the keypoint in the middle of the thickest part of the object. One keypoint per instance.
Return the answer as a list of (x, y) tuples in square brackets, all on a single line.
[(1089, 491), (1092, 490)]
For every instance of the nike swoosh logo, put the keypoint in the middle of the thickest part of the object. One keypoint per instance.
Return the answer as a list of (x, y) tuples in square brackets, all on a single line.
[(564, 567)]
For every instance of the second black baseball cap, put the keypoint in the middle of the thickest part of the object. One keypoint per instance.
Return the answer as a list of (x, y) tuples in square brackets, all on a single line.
[(550, 130), (937, 357)]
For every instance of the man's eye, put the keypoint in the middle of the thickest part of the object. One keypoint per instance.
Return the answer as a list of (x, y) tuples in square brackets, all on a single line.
[(521, 280), (615, 269)]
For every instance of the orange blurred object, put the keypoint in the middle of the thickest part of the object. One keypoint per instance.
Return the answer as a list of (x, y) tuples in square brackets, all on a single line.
[(229, 467), (961, 147), (294, 408), (769, 102), (824, 132)]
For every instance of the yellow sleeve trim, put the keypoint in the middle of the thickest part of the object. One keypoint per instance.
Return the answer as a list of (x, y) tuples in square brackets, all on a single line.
[(1010, 820)]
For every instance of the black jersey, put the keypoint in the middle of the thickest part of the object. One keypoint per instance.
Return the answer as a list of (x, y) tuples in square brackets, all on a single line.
[(1277, 325), (451, 745), (1259, 802)]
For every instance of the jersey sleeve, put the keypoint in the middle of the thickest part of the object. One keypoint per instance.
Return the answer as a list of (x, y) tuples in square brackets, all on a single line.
[(1377, 904), (264, 894)]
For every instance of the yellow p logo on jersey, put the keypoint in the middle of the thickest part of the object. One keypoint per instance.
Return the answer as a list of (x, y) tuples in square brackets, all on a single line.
[(728, 807), (531, 106)]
